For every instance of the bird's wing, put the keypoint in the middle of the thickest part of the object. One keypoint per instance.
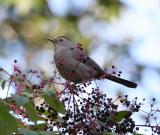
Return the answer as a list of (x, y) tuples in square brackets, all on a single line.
[(88, 69), (80, 55)]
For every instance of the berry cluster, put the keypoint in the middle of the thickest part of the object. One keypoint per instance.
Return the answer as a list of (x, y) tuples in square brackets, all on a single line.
[(93, 112)]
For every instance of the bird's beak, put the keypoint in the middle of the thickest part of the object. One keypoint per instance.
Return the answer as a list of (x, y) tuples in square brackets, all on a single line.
[(51, 39)]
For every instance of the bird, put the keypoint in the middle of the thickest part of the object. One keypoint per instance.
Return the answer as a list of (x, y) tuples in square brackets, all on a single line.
[(74, 65)]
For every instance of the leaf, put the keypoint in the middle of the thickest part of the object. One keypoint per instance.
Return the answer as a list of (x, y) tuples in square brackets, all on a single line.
[(54, 103), (32, 113), (118, 116), (20, 100), (47, 133), (48, 92), (8, 123), (38, 126), (26, 94), (3, 84), (8, 100), (138, 134), (25, 131), (109, 133)]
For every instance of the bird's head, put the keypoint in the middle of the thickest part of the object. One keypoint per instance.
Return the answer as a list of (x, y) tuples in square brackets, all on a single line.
[(61, 41)]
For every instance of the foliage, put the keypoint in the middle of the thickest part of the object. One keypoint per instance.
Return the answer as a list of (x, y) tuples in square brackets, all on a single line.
[(30, 21), (7, 120), (39, 108)]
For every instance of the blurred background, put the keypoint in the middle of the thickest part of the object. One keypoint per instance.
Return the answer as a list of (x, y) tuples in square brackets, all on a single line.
[(124, 33)]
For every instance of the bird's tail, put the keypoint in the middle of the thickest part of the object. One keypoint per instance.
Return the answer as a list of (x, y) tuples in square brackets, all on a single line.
[(121, 81)]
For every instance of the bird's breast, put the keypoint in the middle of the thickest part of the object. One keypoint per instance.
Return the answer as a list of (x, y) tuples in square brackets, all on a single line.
[(66, 65)]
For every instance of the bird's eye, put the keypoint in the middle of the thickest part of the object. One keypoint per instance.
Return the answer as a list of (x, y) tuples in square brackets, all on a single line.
[(60, 39)]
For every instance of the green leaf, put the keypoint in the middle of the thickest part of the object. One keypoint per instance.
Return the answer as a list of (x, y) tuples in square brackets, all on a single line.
[(54, 103), (118, 116), (109, 133), (32, 113), (38, 127), (8, 100), (25, 131), (3, 84), (20, 100), (47, 133), (48, 92), (26, 94), (8, 123)]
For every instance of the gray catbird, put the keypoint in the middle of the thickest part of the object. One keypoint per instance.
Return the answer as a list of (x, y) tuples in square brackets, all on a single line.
[(75, 66)]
